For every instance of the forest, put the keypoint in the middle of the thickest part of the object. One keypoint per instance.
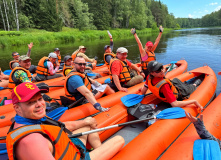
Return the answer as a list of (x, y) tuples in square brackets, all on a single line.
[(52, 15)]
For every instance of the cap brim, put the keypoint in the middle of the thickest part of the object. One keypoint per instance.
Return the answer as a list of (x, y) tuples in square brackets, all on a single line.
[(157, 67)]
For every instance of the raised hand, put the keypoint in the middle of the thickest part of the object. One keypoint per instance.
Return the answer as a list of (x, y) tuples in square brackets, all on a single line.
[(133, 31), (30, 45)]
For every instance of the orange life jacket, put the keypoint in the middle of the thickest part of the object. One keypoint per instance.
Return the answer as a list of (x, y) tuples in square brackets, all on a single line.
[(63, 147), (66, 68), (112, 56), (124, 74), (59, 61), (151, 57), (155, 89), (11, 63), (12, 81), (41, 69), (85, 79), (74, 55)]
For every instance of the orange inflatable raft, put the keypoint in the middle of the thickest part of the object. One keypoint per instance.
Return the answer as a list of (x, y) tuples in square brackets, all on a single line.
[(87, 109), (183, 146), (154, 140)]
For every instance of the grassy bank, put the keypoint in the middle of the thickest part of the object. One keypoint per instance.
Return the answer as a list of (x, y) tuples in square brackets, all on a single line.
[(17, 38)]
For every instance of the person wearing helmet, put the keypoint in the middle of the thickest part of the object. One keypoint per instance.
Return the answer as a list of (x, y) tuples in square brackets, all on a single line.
[(147, 53)]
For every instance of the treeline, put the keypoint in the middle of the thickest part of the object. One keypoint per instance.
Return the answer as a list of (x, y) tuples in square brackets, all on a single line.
[(209, 20), (52, 15)]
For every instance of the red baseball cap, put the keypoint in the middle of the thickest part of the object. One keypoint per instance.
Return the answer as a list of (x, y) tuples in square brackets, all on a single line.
[(24, 92), (149, 43)]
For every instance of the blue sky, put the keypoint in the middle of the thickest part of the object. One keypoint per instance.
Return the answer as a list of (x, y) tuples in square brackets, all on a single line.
[(192, 8)]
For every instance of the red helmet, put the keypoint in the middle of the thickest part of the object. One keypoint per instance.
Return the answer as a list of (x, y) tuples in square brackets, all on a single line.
[(149, 43)]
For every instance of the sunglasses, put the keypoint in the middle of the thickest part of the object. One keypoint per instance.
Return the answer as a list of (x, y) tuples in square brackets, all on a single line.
[(16, 55), (159, 70), (81, 64)]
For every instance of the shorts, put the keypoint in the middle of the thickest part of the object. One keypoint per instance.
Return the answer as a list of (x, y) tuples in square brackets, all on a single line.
[(82, 147)]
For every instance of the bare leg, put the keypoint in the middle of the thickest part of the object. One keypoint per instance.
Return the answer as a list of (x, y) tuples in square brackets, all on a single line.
[(93, 139), (108, 90), (108, 149)]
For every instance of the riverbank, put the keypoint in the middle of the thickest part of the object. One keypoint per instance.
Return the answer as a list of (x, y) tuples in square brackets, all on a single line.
[(17, 38)]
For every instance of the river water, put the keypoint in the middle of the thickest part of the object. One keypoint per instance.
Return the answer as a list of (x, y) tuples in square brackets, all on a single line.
[(201, 46)]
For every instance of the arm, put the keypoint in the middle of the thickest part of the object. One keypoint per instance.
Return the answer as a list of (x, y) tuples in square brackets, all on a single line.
[(87, 94), (29, 49), (201, 129), (21, 76), (117, 83), (86, 57), (141, 49), (184, 103), (26, 150), (111, 42), (133, 66), (158, 39), (51, 69), (73, 125)]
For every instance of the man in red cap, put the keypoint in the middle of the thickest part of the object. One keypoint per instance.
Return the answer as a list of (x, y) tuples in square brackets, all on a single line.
[(147, 54), (32, 131)]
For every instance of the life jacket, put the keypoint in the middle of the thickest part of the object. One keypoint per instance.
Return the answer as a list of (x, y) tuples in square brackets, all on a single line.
[(151, 57), (124, 74), (59, 61), (66, 68), (63, 148), (14, 82), (74, 55), (85, 79), (11, 63), (155, 89), (112, 56), (41, 69)]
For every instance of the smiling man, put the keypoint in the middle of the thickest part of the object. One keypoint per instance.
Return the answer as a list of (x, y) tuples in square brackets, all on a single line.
[(21, 73), (33, 131)]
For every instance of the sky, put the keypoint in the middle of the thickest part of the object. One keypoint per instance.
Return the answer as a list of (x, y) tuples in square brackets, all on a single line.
[(191, 8)]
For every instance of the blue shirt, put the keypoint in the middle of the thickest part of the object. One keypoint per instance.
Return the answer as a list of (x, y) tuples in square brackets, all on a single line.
[(73, 83)]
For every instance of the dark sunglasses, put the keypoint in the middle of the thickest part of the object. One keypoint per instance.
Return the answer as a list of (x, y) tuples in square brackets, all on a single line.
[(81, 64), (16, 55), (159, 70)]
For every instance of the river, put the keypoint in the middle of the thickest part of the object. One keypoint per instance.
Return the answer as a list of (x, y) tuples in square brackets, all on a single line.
[(201, 46)]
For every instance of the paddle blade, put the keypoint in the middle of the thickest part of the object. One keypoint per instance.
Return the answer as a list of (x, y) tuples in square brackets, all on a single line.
[(108, 80), (91, 74), (173, 62), (131, 99), (101, 64), (206, 150), (57, 113), (171, 113)]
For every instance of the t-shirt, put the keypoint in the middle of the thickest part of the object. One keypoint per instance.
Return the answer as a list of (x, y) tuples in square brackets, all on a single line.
[(116, 67), (74, 82), (165, 89), (21, 76)]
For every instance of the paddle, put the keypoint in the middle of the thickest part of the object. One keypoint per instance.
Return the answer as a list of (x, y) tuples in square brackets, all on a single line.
[(91, 74), (108, 80), (206, 150), (132, 99), (170, 113), (101, 64)]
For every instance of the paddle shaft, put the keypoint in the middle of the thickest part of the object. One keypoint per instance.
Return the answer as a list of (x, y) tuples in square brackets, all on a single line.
[(110, 127), (75, 102)]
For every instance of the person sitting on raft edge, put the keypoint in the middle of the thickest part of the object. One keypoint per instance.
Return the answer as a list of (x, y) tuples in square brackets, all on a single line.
[(45, 69), (78, 85), (81, 52), (167, 91), (147, 54), (121, 74), (33, 135)]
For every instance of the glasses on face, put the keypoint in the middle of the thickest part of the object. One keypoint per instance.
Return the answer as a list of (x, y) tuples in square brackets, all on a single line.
[(81, 64), (159, 70), (16, 55)]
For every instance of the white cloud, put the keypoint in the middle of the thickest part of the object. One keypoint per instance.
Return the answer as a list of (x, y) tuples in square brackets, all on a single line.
[(190, 16), (215, 3), (206, 11), (217, 8)]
